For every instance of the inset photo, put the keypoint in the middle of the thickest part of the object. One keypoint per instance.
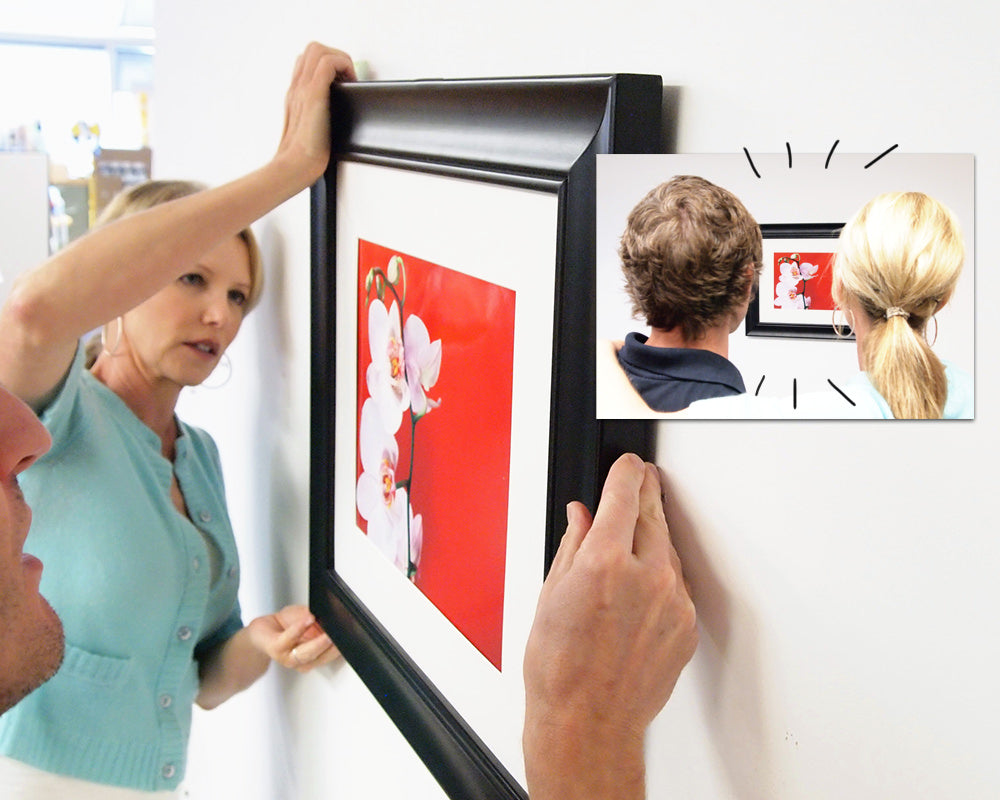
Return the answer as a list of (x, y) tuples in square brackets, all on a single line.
[(774, 286)]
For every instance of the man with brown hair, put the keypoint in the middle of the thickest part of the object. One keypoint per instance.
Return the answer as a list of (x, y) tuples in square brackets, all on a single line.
[(691, 255)]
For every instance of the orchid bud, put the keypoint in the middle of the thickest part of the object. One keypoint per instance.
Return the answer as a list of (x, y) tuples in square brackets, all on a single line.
[(393, 269)]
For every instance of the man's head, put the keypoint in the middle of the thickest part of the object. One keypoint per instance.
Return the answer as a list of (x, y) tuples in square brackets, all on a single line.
[(31, 635), (691, 254)]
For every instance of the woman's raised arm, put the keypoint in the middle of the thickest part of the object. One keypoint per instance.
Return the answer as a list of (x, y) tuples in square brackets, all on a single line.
[(116, 267)]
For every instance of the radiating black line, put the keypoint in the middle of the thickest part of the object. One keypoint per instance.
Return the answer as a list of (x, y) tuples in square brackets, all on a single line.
[(751, 162), (759, 385), (881, 155), (788, 149), (795, 393), (830, 154), (848, 399)]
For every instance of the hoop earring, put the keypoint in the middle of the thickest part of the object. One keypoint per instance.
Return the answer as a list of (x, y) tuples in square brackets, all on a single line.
[(227, 365), (118, 339), (931, 343), (838, 329)]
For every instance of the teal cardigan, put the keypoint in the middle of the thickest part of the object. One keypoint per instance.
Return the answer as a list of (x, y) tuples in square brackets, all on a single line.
[(141, 591)]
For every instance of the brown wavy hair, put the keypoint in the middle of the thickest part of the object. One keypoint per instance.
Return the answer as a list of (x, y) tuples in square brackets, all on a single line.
[(684, 255)]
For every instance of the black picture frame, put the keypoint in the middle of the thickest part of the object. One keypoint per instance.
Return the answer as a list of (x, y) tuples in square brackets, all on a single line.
[(537, 133), (822, 327)]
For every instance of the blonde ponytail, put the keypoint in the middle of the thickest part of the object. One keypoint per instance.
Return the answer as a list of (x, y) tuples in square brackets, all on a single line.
[(905, 371), (899, 258)]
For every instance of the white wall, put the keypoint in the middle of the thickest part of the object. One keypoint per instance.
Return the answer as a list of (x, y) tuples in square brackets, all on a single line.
[(845, 574), (24, 214)]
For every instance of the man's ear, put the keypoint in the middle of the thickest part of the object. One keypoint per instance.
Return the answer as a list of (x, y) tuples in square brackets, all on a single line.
[(752, 280)]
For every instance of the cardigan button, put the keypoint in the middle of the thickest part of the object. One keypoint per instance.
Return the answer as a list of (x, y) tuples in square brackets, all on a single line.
[(205, 516), (184, 633), (166, 701), (168, 771)]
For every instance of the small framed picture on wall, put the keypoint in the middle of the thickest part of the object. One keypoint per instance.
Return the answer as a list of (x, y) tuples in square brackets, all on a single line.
[(795, 295)]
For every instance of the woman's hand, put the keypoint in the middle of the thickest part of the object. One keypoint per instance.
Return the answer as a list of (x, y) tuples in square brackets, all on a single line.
[(306, 134), (293, 639), (114, 268)]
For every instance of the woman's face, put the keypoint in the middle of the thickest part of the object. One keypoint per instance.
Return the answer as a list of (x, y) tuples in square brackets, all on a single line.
[(180, 333)]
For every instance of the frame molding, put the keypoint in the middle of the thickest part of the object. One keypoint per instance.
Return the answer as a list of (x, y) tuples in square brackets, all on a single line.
[(539, 133)]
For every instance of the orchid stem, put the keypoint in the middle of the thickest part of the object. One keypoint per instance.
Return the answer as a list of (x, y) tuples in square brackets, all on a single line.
[(410, 568), (392, 287)]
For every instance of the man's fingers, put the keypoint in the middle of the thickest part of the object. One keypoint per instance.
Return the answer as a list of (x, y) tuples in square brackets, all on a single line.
[(578, 522), (651, 531), (614, 522)]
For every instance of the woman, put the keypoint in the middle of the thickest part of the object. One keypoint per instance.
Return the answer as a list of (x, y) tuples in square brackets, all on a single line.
[(898, 261), (897, 264), (129, 506)]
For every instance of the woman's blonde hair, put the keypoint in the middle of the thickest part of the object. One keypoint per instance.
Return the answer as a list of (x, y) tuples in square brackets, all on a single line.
[(899, 259)]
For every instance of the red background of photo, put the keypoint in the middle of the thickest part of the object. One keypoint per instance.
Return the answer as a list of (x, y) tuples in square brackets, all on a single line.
[(461, 458), (819, 288)]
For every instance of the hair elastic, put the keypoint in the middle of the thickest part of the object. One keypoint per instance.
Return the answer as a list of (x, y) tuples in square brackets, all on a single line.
[(896, 311)]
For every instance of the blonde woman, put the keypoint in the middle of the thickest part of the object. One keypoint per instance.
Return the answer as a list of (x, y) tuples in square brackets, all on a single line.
[(130, 515), (897, 264)]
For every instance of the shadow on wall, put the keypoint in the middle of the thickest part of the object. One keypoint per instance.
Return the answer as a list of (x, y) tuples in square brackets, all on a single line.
[(272, 491), (671, 114), (274, 494), (727, 665)]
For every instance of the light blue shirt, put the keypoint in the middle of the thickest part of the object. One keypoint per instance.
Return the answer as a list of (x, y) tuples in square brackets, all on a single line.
[(132, 580), (856, 399)]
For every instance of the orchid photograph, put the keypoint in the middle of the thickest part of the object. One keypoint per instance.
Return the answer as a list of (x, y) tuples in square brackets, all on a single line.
[(796, 277), (803, 281), (434, 393)]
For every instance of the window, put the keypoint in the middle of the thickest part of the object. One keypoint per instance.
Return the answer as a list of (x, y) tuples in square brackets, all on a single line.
[(70, 68)]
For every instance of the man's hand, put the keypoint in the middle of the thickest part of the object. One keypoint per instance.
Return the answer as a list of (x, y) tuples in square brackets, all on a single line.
[(613, 630)]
